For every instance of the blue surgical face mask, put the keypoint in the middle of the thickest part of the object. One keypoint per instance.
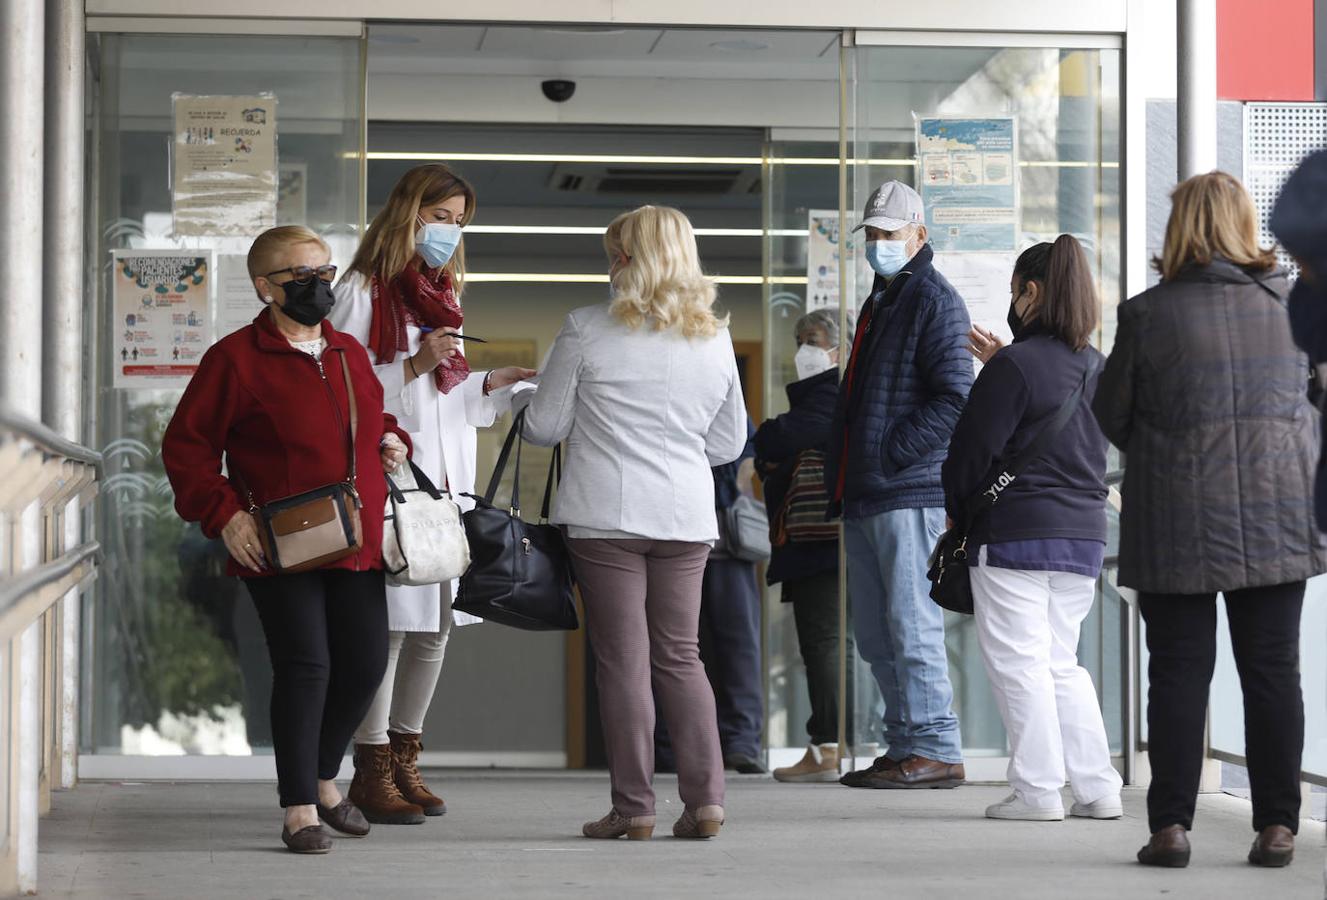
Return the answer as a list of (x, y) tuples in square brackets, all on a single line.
[(887, 258), (435, 242)]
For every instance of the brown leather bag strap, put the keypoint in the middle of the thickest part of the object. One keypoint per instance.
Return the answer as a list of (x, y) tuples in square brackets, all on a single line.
[(354, 412)]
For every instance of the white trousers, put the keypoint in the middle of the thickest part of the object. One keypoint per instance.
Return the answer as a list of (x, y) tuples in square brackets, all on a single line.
[(414, 662), (1028, 625)]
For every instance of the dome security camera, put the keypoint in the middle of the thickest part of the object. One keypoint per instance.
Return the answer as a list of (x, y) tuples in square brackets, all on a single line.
[(558, 90)]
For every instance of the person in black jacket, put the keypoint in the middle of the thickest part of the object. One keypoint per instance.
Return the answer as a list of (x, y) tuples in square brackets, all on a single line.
[(903, 389), (804, 553), (1299, 223), (1205, 393), (1039, 549)]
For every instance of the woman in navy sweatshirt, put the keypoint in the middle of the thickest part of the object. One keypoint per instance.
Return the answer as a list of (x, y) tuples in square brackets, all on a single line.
[(1039, 549)]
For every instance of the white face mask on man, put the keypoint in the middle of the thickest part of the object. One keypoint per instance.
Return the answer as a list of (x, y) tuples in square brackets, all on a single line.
[(811, 360)]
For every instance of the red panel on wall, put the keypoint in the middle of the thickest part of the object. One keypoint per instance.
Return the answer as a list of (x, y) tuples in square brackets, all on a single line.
[(1264, 49)]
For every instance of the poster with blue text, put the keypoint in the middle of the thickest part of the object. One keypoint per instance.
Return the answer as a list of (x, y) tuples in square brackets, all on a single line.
[(969, 182)]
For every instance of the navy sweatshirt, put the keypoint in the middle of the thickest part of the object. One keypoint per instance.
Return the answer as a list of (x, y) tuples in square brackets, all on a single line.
[(1062, 494)]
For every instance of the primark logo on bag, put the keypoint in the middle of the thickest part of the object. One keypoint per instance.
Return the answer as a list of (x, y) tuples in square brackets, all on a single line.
[(1002, 481)]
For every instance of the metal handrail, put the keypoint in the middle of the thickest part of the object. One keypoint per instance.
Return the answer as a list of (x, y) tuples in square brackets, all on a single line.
[(46, 438), (21, 585)]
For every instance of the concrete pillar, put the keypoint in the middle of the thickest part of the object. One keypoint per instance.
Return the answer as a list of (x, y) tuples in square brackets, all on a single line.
[(1196, 30), (22, 78), (62, 314)]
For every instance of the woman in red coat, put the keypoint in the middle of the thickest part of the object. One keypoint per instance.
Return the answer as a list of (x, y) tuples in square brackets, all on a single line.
[(271, 398)]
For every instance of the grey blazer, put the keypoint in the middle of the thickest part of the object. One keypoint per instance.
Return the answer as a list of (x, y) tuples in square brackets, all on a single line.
[(645, 414)]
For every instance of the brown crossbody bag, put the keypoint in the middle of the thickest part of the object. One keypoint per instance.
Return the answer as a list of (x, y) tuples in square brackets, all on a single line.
[(317, 527)]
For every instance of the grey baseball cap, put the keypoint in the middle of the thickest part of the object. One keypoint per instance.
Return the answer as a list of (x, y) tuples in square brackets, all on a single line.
[(892, 206)]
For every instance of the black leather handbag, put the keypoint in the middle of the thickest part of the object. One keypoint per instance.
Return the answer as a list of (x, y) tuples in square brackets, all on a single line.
[(951, 581), (520, 573)]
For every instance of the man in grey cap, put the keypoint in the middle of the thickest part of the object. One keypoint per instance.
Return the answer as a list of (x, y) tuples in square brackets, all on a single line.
[(905, 384)]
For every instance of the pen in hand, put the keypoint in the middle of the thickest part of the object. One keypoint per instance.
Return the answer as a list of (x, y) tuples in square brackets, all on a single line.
[(425, 329)]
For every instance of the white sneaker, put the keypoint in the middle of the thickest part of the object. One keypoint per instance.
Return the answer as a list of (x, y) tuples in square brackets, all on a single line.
[(1013, 807), (1108, 807)]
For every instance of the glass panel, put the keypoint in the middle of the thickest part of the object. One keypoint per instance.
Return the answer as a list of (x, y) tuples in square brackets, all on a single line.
[(177, 662), (1227, 709), (1065, 105)]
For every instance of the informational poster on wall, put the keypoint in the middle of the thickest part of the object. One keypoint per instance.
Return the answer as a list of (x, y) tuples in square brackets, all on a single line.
[(161, 307), (822, 259), (225, 166), (969, 183), (237, 299), (982, 280)]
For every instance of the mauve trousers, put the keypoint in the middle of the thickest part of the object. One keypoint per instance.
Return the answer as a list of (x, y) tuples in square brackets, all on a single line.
[(642, 605)]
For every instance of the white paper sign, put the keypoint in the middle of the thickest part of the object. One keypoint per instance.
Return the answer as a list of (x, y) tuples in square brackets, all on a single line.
[(237, 300), (982, 280)]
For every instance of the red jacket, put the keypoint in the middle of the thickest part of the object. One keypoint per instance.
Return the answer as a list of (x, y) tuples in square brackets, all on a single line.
[(281, 420)]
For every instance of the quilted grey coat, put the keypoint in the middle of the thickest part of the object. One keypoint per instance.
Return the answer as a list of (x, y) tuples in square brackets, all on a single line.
[(1205, 394)]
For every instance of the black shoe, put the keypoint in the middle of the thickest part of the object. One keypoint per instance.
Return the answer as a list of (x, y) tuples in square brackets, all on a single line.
[(745, 765), (871, 776)]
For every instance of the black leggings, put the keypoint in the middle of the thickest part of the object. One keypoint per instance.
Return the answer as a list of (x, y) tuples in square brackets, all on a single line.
[(1181, 641), (327, 637)]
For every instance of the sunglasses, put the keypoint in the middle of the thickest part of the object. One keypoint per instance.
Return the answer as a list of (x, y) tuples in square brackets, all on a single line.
[(304, 274)]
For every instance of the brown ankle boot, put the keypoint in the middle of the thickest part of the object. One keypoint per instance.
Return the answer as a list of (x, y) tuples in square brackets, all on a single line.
[(374, 789), (405, 756)]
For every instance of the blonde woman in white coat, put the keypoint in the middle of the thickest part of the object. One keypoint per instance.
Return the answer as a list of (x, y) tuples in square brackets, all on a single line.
[(400, 299)]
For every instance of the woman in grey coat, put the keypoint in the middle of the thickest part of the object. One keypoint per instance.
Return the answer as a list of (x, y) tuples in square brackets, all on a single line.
[(1205, 394)]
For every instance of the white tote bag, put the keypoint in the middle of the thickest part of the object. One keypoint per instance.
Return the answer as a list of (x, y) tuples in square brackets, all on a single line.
[(423, 538)]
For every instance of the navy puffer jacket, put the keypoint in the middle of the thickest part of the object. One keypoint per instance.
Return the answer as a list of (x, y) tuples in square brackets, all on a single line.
[(911, 378)]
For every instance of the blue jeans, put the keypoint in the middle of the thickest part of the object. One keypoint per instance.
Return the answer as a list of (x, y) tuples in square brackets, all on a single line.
[(901, 632)]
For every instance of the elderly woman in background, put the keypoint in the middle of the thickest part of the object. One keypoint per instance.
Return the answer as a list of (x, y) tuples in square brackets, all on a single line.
[(1205, 394), (271, 398), (790, 457), (644, 388)]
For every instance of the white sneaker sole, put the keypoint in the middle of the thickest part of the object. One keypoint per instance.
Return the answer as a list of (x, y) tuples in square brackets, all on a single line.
[(1086, 812), (1025, 815), (829, 776)]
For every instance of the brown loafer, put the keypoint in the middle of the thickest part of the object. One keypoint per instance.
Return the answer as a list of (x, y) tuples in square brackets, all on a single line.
[(866, 778), (311, 839), (345, 817), (917, 772), (1273, 847), (1168, 848)]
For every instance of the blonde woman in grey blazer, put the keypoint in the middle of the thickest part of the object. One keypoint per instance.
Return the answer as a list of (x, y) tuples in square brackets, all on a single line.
[(644, 389)]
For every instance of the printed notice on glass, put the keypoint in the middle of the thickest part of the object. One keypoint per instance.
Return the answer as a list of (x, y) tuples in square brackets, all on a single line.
[(982, 280), (160, 329), (237, 300), (822, 258), (969, 183), (225, 169)]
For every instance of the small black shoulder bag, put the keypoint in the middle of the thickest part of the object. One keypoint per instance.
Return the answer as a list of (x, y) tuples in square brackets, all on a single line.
[(951, 584)]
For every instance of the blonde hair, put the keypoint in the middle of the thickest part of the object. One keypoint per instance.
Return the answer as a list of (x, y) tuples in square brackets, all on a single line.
[(662, 280), (389, 244), (1212, 216), (270, 248)]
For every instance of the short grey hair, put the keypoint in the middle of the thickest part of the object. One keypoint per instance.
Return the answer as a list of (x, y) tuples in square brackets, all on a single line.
[(827, 319)]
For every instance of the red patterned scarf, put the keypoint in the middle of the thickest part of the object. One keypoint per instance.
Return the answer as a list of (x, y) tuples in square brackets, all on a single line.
[(427, 300)]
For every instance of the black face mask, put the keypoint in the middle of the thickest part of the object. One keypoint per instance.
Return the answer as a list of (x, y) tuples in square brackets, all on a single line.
[(309, 303), (1015, 323)]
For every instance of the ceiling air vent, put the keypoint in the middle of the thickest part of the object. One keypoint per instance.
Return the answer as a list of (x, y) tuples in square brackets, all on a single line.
[(655, 180)]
